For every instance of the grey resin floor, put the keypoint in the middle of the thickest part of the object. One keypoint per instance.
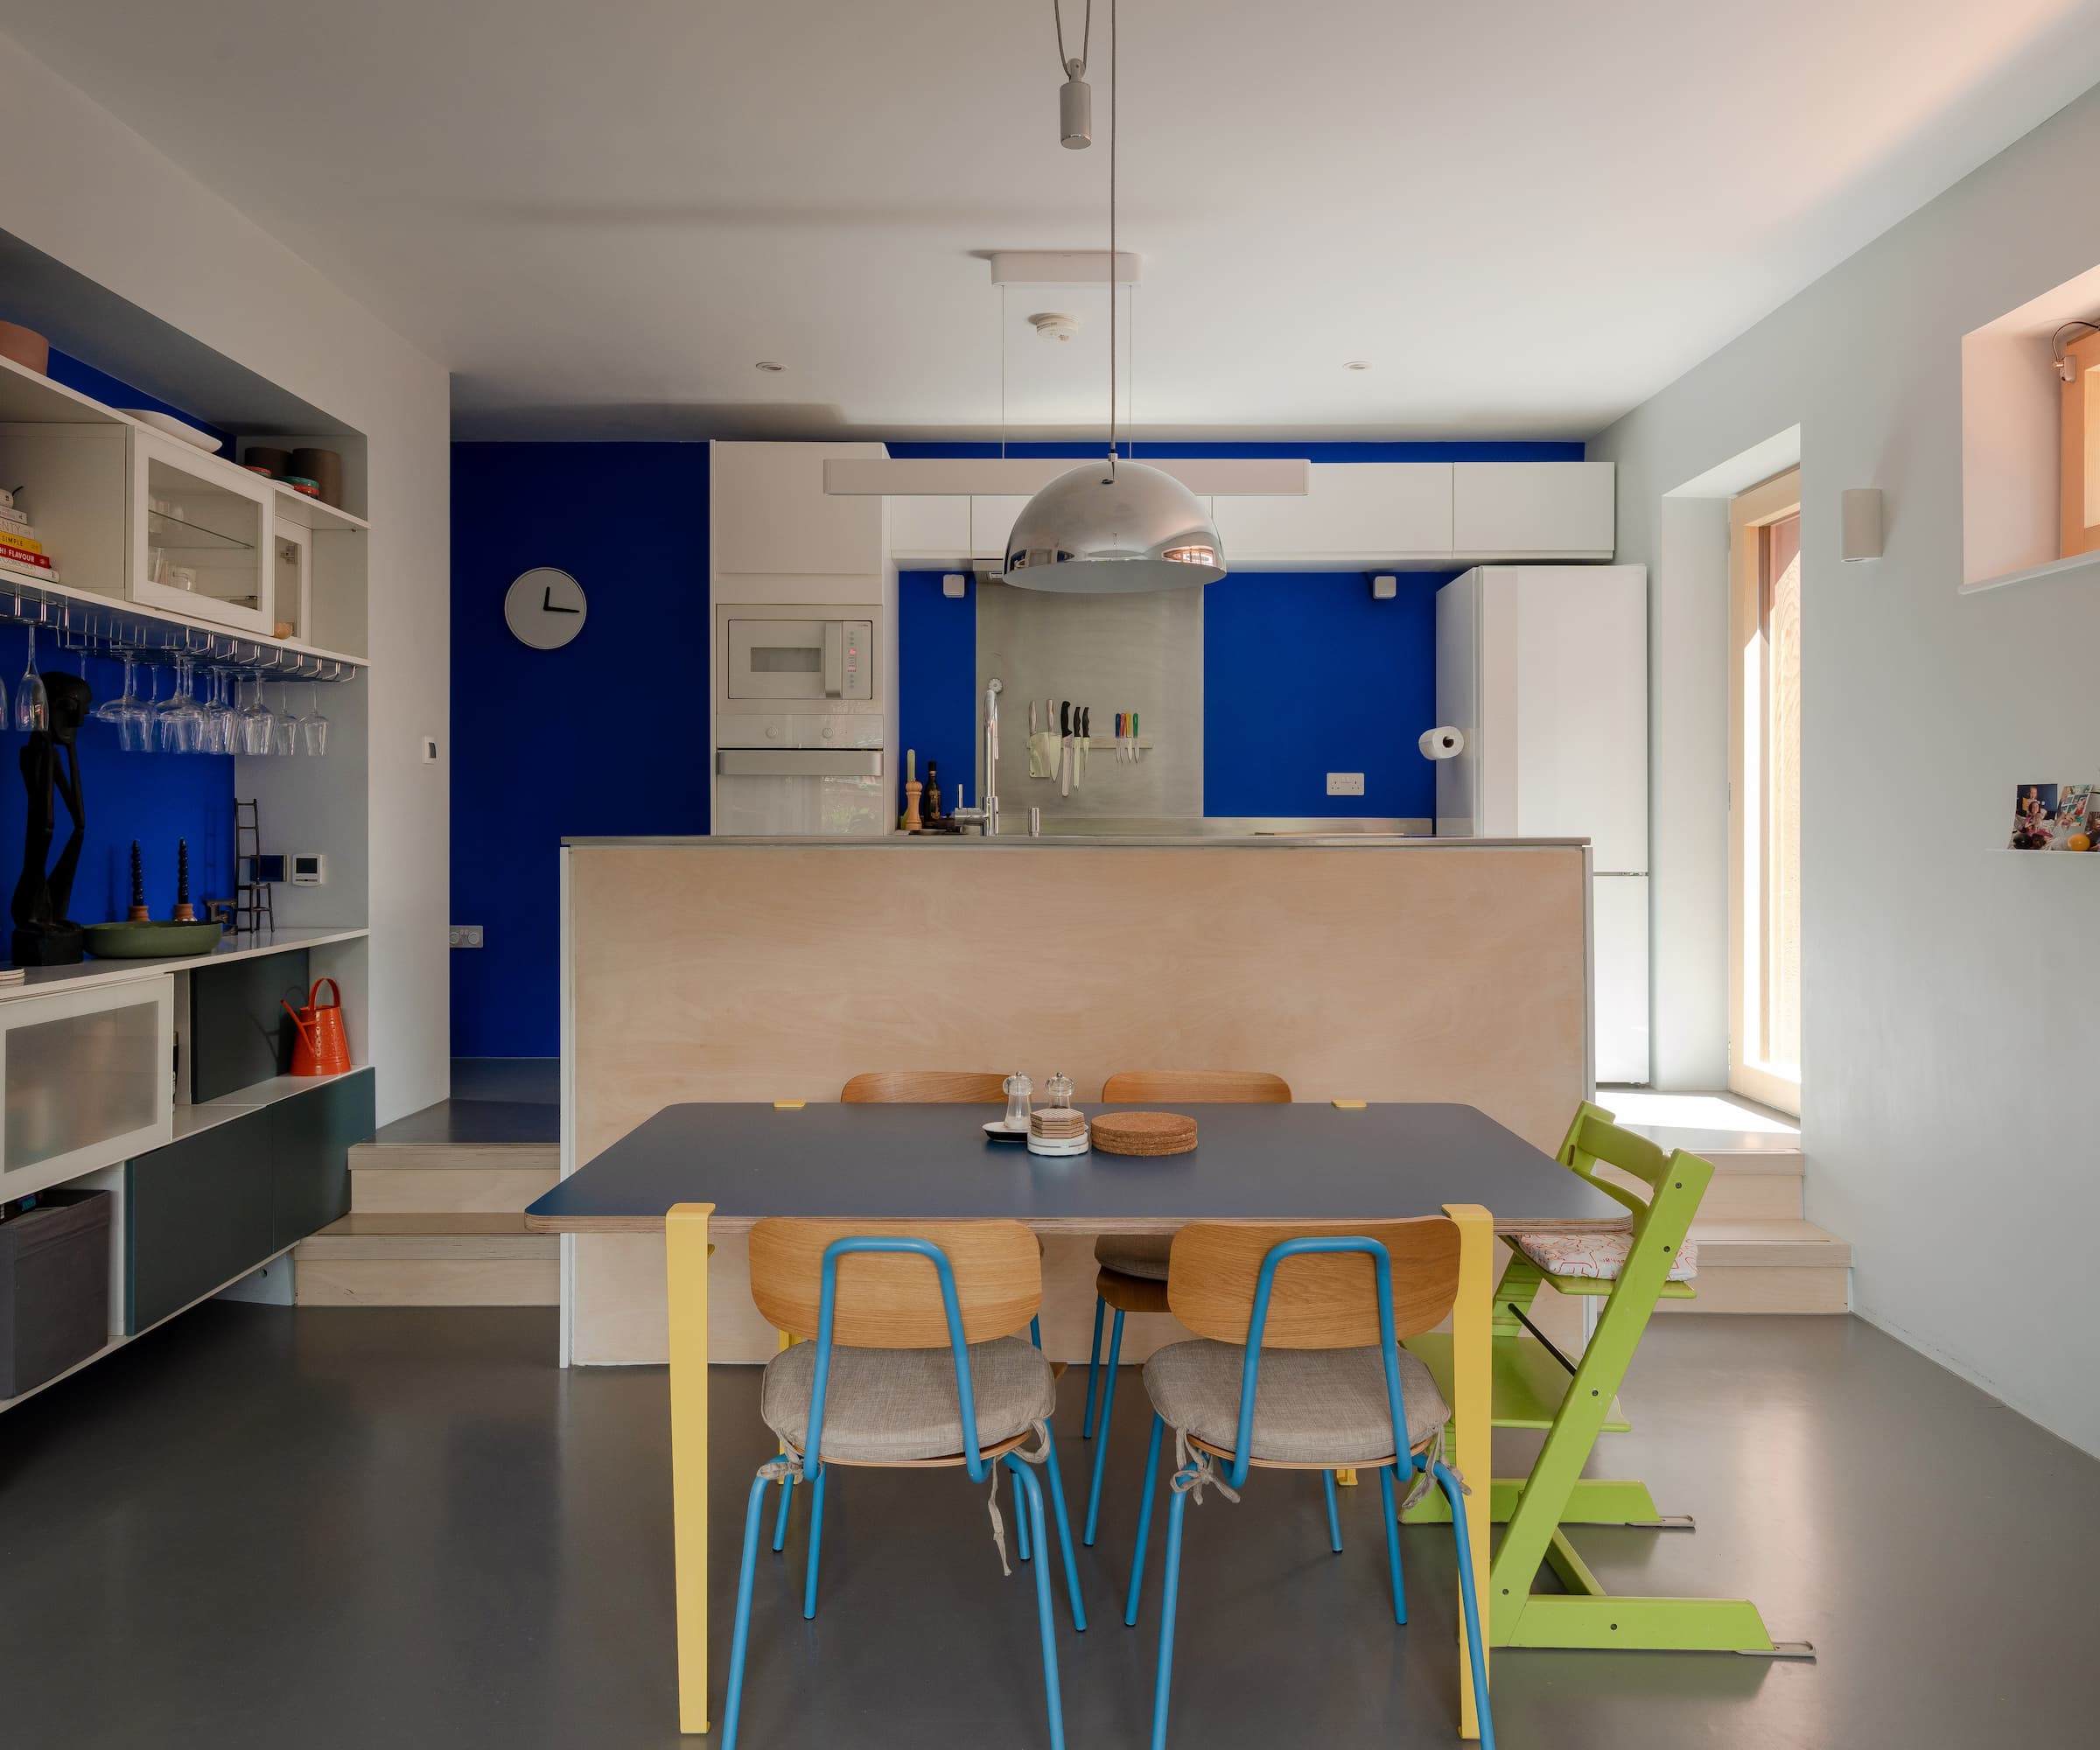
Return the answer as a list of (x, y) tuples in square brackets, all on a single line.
[(407, 1529)]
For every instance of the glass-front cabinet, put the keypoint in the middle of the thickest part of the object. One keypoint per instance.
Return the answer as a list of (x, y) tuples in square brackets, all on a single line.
[(292, 586), (201, 536)]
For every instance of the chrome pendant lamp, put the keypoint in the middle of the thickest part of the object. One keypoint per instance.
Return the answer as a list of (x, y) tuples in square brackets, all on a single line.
[(1114, 527)]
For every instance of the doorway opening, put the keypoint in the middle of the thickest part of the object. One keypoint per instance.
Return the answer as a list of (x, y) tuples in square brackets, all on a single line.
[(1764, 814)]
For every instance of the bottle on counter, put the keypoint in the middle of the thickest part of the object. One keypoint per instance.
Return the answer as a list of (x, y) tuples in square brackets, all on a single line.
[(933, 791)]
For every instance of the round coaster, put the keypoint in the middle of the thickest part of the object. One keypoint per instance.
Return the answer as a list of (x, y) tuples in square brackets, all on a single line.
[(1146, 1133)]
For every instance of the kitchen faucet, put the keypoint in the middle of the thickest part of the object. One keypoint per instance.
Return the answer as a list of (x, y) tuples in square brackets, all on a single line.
[(988, 792)]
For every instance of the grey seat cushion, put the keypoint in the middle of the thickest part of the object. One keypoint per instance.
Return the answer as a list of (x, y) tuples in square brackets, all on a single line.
[(1135, 1254), (890, 1406), (1311, 1406)]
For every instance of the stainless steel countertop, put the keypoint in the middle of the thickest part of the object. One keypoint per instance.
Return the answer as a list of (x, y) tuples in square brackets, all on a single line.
[(1066, 841)]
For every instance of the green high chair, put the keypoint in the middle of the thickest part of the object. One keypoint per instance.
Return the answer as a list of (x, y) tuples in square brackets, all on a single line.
[(1651, 1259)]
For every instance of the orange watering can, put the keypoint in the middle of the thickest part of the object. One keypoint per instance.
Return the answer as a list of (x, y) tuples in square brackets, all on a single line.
[(322, 1047)]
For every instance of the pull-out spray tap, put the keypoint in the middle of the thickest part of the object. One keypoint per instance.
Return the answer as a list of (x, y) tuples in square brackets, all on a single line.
[(988, 792)]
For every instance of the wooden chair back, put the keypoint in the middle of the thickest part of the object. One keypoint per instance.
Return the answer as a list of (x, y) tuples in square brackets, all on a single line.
[(1217, 1086), (925, 1088), (1315, 1302), (893, 1300)]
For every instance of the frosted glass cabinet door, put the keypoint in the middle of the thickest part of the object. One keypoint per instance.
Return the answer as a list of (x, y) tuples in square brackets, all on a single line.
[(87, 1080)]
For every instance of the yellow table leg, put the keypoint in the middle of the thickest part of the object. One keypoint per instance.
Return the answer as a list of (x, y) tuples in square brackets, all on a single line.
[(1472, 1390), (685, 1259)]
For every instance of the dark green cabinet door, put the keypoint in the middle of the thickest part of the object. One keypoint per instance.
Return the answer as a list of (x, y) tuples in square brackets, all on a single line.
[(310, 1149), (200, 1214)]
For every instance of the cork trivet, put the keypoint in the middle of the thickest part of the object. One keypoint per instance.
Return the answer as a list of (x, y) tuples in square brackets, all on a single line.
[(1145, 1133)]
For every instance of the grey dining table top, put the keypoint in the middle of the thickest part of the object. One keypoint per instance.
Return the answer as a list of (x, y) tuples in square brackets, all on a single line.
[(1298, 1162)]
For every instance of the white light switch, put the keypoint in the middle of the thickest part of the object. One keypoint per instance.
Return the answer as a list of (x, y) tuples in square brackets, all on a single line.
[(1345, 783)]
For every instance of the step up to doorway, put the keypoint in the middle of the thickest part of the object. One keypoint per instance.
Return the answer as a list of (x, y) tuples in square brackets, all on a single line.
[(427, 1260), (436, 1214)]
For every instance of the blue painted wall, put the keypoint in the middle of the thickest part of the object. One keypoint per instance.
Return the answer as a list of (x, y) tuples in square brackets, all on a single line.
[(1304, 673), (156, 798), (606, 736), (936, 679)]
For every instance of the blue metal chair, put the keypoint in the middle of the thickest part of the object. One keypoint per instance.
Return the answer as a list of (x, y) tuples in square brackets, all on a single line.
[(1330, 1322), (1133, 1266), (914, 1364)]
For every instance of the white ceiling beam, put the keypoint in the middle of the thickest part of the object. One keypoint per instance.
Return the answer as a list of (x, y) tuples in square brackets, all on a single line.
[(1023, 476)]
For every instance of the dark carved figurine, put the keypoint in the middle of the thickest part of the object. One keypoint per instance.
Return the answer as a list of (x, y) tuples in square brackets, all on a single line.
[(44, 934)]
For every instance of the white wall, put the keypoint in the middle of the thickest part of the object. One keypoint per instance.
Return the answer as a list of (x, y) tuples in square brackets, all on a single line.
[(82, 187), (1950, 1029)]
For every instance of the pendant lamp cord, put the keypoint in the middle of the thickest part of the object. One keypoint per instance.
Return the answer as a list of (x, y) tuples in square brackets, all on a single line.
[(1114, 85), (1072, 69)]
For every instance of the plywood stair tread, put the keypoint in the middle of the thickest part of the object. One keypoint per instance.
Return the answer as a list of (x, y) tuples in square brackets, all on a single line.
[(453, 1157), (1726, 1245), (401, 1237)]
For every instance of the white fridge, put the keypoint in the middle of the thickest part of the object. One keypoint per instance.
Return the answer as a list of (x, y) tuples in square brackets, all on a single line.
[(1544, 668)]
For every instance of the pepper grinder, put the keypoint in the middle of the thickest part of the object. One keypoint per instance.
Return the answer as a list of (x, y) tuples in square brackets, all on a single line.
[(909, 819), (1017, 1089)]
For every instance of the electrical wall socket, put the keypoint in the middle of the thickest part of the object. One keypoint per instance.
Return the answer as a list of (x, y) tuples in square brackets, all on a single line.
[(1345, 783), (464, 936)]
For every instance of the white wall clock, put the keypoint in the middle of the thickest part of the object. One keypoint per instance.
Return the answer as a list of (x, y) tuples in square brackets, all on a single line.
[(545, 608)]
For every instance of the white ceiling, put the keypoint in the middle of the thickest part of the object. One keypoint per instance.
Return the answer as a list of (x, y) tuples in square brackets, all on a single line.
[(1528, 215)]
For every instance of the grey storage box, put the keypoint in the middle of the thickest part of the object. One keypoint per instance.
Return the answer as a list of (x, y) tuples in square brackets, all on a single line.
[(54, 1287)]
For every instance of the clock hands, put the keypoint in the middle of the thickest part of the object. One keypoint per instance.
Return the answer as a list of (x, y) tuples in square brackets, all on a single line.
[(549, 605)]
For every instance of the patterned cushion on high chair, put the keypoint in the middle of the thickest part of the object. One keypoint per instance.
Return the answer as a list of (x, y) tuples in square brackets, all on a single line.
[(1600, 1256)]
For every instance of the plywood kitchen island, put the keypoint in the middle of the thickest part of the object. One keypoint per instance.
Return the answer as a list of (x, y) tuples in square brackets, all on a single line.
[(742, 969)]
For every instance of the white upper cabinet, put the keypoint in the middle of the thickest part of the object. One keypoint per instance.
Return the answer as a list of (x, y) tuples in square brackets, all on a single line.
[(770, 515), (1533, 510), (926, 531), (1355, 514)]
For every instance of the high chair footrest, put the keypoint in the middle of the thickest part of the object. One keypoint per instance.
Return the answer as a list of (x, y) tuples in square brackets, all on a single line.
[(1529, 1384)]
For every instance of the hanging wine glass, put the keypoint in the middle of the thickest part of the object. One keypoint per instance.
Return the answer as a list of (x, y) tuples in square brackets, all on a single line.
[(222, 711), (256, 718), (149, 717), (32, 706), (127, 711), (181, 722), (313, 727)]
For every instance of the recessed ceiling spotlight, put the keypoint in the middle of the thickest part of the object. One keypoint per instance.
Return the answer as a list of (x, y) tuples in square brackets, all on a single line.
[(770, 365), (1357, 364)]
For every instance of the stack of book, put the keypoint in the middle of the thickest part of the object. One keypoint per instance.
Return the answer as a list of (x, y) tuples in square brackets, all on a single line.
[(21, 554)]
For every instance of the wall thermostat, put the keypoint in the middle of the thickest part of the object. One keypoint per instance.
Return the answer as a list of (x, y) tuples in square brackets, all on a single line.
[(309, 868)]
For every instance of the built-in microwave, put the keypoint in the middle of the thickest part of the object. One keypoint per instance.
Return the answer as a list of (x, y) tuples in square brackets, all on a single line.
[(815, 660)]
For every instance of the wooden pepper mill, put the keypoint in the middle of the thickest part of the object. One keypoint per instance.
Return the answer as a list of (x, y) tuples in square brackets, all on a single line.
[(185, 911), (138, 913), (909, 819)]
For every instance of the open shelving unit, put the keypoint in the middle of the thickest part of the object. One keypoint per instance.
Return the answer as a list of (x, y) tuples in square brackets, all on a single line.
[(237, 1161)]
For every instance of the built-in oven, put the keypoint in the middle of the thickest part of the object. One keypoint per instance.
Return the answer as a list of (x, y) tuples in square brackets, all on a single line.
[(799, 723)]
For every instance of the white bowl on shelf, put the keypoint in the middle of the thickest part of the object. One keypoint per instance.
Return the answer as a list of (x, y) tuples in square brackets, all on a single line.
[(174, 427)]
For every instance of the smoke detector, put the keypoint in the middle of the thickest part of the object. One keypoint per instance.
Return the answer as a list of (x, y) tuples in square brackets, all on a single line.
[(1053, 325)]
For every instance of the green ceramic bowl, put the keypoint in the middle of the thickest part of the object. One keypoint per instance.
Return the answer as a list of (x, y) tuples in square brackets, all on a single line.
[(150, 941)]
